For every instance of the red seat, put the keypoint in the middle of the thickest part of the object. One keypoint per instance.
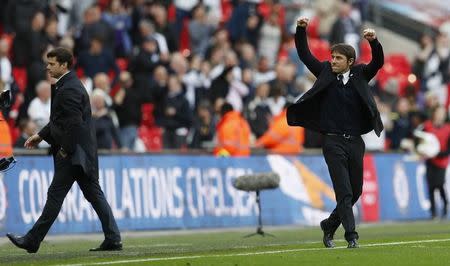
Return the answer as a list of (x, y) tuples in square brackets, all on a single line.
[(122, 63), (320, 49), (147, 115), (185, 41), (171, 13), (152, 137), (396, 66), (313, 28), (365, 54), (20, 76)]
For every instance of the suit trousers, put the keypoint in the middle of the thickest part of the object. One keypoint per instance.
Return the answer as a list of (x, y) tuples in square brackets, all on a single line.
[(344, 158), (65, 175)]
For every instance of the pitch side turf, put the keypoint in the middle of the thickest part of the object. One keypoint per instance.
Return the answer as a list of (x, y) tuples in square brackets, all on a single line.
[(416, 243)]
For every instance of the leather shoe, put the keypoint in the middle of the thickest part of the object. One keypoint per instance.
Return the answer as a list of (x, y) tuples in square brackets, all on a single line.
[(108, 245), (21, 242), (327, 236), (353, 243)]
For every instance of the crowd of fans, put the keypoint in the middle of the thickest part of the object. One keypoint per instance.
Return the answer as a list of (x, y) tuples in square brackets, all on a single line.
[(203, 74)]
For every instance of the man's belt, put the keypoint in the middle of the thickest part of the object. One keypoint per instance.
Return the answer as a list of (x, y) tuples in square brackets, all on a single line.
[(345, 136)]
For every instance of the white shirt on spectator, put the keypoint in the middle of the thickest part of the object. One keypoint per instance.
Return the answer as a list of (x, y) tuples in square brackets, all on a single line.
[(162, 43), (185, 5), (39, 112), (276, 106), (235, 94), (6, 73)]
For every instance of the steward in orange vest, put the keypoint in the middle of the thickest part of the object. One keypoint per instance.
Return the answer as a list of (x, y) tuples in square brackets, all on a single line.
[(5, 138), (233, 133), (281, 138)]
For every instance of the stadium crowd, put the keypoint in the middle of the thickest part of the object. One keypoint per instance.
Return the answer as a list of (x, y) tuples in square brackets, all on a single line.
[(203, 74)]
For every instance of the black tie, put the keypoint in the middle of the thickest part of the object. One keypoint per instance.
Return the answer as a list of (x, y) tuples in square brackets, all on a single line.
[(341, 79)]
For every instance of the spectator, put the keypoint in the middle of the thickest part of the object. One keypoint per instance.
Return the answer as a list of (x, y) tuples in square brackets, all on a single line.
[(144, 63), (127, 104), (194, 82), (19, 14), (277, 100), (116, 16), (345, 29), (327, 13), (436, 68), (159, 88), (106, 132), (247, 56), (51, 32), (97, 59), (29, 44), (258, 112), (183, 10), (374, 143), (174, 115), (102, 82), (236, 92), (270, 39), (221, 85), (39, 108), (241, 12), (436, 166), (401, 123), (162, 26), (147, 30), (5, 64), (95, 27), (27, 129), (233, 133), (203, 128), (200, 31)]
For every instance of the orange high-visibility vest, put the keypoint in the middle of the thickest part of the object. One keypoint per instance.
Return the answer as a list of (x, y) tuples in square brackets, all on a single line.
[(233, 135), (5, 138), (281, 138)]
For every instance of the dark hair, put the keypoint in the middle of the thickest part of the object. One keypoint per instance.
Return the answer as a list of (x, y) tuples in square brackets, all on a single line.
[(62, 55), (226, 107), (344, 49)]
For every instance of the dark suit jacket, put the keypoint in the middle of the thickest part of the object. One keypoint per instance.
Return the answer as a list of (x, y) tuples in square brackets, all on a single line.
[(70, 126), (306, 111)]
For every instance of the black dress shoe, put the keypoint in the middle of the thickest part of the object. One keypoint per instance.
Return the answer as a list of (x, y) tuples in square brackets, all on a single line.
[(353, 243), (21, 242), (108, 245), (327, 236)]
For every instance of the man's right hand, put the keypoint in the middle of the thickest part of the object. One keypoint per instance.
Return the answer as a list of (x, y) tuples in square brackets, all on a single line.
[(302, 22), (32, 141)]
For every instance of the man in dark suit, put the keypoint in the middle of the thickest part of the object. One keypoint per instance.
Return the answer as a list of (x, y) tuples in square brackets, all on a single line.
[(341, 107), (71, 135)]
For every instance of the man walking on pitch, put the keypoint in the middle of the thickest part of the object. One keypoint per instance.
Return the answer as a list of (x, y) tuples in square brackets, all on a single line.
[(341, 107), (71, 135)]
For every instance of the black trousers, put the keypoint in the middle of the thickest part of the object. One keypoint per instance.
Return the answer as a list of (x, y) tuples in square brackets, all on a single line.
[(344, 158), (436, 181), (65, 175)]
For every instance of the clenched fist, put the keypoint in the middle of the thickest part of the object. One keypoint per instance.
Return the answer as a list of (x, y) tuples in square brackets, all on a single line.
[(302, 22), (369, 34)]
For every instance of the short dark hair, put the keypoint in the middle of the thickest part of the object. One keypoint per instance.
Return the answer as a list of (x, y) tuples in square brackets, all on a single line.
[(226, 108), (62, 55), (344, 49)]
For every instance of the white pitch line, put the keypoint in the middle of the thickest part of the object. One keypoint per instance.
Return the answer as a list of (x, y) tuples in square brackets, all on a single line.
[(256, 253)]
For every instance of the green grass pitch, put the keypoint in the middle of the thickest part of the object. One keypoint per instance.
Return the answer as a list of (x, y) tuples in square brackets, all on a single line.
[(414, 243)]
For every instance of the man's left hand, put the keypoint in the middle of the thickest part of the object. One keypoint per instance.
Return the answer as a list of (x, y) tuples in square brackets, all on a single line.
[(369, 34)]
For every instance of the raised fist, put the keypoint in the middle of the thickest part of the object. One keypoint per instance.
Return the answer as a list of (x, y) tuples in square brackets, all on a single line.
[(302, 22), (369, 34)]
